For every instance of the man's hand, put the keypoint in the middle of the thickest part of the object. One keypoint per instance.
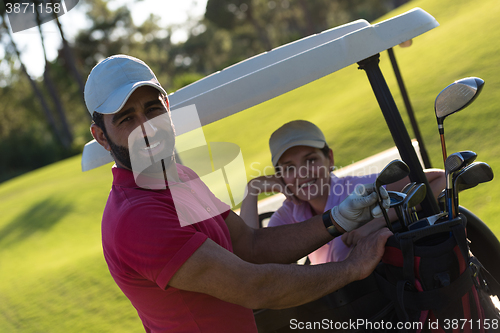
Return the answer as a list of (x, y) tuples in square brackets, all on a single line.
[(368, 252), (359, 207), (352, 238)]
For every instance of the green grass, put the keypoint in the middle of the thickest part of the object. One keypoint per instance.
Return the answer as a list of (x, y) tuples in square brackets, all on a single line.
[(53, 277), (53, 274)]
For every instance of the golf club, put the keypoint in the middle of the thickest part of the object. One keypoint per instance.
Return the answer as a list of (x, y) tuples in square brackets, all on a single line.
[(408, 187), (453, 163), (394, 171), (454, 98), (468, 155), (413, 198), (471, 176), (397, 199)]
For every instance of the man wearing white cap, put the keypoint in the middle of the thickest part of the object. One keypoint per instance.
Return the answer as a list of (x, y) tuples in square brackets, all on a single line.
[(204, 276)]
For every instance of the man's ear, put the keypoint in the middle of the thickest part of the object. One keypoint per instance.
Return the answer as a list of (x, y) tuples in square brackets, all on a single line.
[(99, 136)]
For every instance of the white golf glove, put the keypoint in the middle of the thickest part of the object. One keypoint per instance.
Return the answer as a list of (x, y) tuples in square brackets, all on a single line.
[(359, 207)]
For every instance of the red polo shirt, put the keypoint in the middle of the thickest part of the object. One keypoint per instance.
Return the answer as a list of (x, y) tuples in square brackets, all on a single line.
[(144, 245)]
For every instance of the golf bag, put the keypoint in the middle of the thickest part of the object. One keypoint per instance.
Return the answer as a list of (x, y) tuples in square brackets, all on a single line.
[(434, 284)]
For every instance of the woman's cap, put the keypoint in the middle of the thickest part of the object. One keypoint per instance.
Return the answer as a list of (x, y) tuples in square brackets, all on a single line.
[(295, 133)]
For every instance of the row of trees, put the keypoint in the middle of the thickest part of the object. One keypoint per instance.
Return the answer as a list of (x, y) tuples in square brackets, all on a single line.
[(44, 119)]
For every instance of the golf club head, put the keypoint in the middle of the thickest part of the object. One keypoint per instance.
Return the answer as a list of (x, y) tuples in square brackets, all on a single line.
[(417, 195), (413, 198), (453, 162), (397, 198), (394, 171), (471, 176), (469, 156), (457, 96), (408, 187)]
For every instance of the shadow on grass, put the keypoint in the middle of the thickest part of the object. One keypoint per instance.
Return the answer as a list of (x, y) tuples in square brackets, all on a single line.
[(41, 216)]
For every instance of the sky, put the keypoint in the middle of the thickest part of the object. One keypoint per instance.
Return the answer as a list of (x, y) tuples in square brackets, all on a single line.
[(171, 12)]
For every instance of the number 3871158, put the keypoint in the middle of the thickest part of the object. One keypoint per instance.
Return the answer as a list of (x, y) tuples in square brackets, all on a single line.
[(27, 7)]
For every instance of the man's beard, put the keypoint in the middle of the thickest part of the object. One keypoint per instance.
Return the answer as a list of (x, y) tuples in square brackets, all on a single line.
[(122, 155)]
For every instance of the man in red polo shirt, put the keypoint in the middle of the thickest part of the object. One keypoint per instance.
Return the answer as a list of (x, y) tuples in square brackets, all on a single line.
[(186, 262)]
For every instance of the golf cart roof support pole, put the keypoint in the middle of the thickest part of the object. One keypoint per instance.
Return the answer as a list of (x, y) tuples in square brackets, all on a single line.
[(409, 109), (398, 130)]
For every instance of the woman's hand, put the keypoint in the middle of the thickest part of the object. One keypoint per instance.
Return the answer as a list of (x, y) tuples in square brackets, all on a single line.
[(263, 184), (270, 184)]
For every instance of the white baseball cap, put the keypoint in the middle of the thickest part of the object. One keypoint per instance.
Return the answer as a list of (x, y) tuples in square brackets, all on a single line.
[(113, 80), (295, 133)]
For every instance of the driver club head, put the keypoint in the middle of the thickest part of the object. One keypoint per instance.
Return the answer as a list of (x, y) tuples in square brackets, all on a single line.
[(454, 98), (457, 96)]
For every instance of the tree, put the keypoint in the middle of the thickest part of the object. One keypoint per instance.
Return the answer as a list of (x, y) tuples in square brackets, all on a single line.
[(259, 25), (67, 136), (67, 54), (38, 93)]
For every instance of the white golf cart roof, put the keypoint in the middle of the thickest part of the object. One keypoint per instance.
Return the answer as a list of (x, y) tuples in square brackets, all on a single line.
[(285, 68)]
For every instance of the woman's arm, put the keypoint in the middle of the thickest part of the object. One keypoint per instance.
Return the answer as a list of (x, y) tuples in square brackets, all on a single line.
[(263, 184)]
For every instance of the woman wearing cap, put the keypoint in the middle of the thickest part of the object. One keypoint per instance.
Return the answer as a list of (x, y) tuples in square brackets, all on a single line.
[(303, 163)]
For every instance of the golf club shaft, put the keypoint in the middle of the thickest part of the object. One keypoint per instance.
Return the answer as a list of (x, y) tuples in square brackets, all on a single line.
[(407, 217), (455, 198), (399, 213), (449, 201), (453, 203), (443, 147), (384, 212)]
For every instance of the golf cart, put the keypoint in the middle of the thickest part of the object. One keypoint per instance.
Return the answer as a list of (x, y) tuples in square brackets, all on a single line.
[(276, 72)]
